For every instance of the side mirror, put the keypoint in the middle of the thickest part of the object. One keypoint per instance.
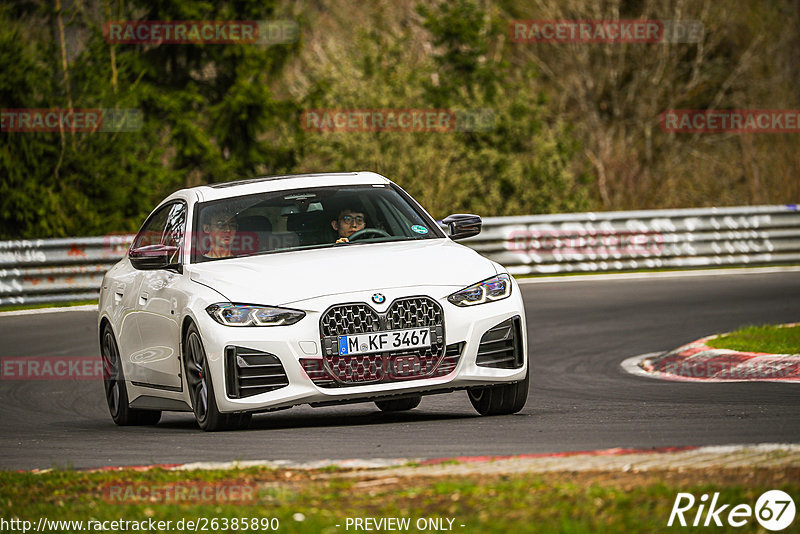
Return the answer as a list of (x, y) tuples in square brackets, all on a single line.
[(152, 257), (462, 225)]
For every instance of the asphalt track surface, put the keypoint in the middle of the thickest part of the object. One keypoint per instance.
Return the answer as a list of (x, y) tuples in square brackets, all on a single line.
[(580, 398)]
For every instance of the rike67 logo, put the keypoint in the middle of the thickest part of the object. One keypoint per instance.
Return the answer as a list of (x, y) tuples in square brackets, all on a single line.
[(774, 510)]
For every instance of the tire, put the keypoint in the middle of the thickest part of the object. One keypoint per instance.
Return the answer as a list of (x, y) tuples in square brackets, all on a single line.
[(500, 400), (115, 389), (399, 405), (201, 388)]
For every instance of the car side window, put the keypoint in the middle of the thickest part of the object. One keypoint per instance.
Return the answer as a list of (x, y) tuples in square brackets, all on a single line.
[(175, 230), (166, 226)]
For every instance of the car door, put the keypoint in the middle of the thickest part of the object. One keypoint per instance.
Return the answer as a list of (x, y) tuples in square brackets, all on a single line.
[(156, 363)]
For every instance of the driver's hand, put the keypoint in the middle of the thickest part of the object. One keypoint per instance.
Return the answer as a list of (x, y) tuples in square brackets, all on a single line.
[(342, 240)]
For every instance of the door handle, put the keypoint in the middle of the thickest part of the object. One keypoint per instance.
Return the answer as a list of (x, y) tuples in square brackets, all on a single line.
[(143, 298)]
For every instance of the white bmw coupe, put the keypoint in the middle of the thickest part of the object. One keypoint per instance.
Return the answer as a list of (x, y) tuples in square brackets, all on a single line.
[(257, 295)]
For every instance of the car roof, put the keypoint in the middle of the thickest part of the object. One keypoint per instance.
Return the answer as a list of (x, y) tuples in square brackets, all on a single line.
[(281, 183)]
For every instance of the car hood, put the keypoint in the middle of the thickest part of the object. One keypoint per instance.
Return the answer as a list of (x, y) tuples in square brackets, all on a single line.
[(290, 277)]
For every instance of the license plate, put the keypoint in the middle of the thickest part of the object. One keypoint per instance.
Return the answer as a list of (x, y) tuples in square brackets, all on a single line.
[(412, 338)]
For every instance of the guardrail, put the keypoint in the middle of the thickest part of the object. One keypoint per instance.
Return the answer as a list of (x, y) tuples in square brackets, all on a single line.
[(57, 270), (53, 270), (633, 240)]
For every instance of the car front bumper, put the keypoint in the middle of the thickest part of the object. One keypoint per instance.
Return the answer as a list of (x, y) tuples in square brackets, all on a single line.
[(298, 344)]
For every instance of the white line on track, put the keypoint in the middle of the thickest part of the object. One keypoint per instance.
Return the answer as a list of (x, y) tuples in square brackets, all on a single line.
[(659, 274), (86, 307)]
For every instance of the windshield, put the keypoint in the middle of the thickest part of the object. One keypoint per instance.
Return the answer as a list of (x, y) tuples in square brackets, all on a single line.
[(305, 218)]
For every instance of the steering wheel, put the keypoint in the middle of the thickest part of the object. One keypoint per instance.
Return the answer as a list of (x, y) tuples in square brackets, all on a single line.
[(360, 234)]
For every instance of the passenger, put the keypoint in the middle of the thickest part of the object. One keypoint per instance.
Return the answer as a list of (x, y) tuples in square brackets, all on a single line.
[(220, 225), (348, 222)]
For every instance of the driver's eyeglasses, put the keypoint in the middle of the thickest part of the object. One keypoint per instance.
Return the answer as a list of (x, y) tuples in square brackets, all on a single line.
[(349, 219), (220, 225)]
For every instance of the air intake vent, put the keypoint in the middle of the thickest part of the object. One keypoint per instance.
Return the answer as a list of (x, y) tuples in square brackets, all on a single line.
[(501, 346), (450, 360), (251, 372)]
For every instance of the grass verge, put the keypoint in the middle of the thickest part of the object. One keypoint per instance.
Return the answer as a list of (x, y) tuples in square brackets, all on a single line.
[(318, 501), (766, 338)]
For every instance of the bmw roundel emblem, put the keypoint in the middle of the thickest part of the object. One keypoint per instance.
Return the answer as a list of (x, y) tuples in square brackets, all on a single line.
[(378, 298)]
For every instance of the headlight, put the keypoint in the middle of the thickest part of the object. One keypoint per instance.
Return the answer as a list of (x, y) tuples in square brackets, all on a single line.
[(249, 315), (494, 288)]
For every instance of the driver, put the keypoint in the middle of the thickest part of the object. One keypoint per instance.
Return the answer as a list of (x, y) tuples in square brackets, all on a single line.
[(348, 222)]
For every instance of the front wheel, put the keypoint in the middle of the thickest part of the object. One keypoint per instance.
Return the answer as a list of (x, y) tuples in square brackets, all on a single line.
[(500, 400), (201, 388), (114, 385)]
